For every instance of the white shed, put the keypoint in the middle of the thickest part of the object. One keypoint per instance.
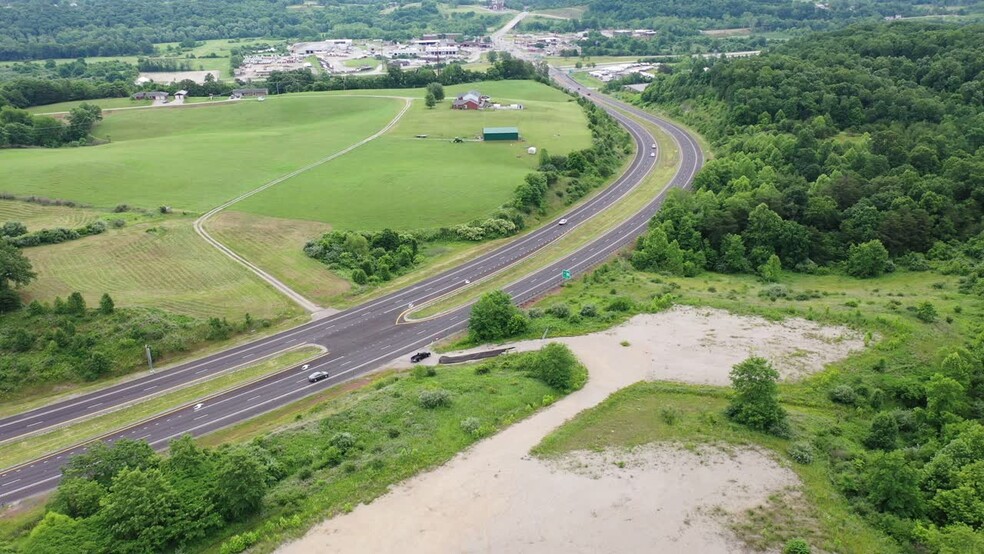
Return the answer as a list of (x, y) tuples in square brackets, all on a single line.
[(531, 150)]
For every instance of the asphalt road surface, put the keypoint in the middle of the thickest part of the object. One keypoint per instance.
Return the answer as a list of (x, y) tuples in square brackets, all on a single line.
[(358, 340)]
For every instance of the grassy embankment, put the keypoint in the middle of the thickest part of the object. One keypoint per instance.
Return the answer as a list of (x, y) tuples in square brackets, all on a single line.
[(22, 450)]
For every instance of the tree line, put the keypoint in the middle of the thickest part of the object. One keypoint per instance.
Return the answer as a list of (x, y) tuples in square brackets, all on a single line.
[(21, 128), (678, 24), (837, 151)]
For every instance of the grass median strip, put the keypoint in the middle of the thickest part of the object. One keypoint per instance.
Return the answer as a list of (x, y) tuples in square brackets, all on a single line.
[(669, 158), (23, 450)]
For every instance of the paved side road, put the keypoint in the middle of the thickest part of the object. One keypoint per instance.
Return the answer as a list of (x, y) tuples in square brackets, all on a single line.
[(358, 340)]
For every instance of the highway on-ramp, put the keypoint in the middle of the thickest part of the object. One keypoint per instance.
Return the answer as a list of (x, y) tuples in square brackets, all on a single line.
[(360, 339)]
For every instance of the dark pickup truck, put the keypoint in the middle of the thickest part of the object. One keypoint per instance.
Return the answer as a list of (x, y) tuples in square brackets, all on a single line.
[(419, 356)]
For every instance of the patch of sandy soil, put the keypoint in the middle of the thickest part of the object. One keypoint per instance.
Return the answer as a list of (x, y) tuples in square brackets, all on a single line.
[(495, 497)]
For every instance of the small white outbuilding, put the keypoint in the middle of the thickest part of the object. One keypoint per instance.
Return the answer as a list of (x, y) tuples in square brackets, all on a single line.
[(531, 150)]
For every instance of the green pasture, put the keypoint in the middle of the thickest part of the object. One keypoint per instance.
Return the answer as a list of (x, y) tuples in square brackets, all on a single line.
[(405, 182), (198, 157)]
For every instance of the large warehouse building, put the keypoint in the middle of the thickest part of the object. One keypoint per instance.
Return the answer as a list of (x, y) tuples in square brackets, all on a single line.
[(500, 133)]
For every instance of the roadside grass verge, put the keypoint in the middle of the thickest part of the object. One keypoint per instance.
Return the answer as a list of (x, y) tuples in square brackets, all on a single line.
[(19, 451), (691, 415), (576, 238)]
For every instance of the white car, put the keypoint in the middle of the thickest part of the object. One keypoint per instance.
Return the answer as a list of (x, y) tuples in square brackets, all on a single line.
[(562, 222), (654, 145), (652, 154), (317, 376)]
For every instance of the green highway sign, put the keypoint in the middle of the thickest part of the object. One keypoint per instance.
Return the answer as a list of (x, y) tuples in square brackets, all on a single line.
[(566, 274)]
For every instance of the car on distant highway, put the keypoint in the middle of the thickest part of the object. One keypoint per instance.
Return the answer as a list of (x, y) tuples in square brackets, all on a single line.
[(562, 222), (317, 376), (419, 356), (654, 145), (652, 154)]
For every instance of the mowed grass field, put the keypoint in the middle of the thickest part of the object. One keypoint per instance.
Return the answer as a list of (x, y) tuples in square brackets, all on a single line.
[(403, 182), (37, 217), (161, 264), (277, 245), (195, 158)]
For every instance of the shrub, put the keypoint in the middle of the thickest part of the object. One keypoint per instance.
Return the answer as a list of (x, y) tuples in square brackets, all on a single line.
[(557, 366), (669, 415), (661, 303), (471, 425), (437, 398), (796, 546), (620, 304), (926, 312), (589, 310), (756, 400), (561, 311), (773, 292), (843, 394), (801, 453), (342, 441)]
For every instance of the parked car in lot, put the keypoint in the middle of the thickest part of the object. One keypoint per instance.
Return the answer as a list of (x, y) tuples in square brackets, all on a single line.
[(317, 376), (419, 356)]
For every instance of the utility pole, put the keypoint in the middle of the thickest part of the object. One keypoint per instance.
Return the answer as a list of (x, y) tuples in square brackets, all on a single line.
[(150, 357)]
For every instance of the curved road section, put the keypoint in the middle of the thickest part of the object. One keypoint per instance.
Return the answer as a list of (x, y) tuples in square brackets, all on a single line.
[(360, 339)]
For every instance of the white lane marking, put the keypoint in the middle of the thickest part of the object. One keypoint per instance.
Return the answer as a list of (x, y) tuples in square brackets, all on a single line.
[(10, 483), (387, 356), (151, 388), (36, 483)]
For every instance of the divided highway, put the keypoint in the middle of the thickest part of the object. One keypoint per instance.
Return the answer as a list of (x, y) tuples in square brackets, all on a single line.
[(357, 340)]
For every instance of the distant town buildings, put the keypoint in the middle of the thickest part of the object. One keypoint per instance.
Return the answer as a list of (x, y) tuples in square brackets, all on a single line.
[(612, 72)]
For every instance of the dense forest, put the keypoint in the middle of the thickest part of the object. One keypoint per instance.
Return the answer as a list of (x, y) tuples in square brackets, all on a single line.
[(37, 29), (859, 151), (679, 23)]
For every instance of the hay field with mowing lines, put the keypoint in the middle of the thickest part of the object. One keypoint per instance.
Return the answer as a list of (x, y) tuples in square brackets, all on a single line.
[(163, 265), (404, 182), (277, 245), (195, 158), (37, 217)]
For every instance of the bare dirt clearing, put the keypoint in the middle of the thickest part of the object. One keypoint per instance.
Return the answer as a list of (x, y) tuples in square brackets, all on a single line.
[(495, 497)]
